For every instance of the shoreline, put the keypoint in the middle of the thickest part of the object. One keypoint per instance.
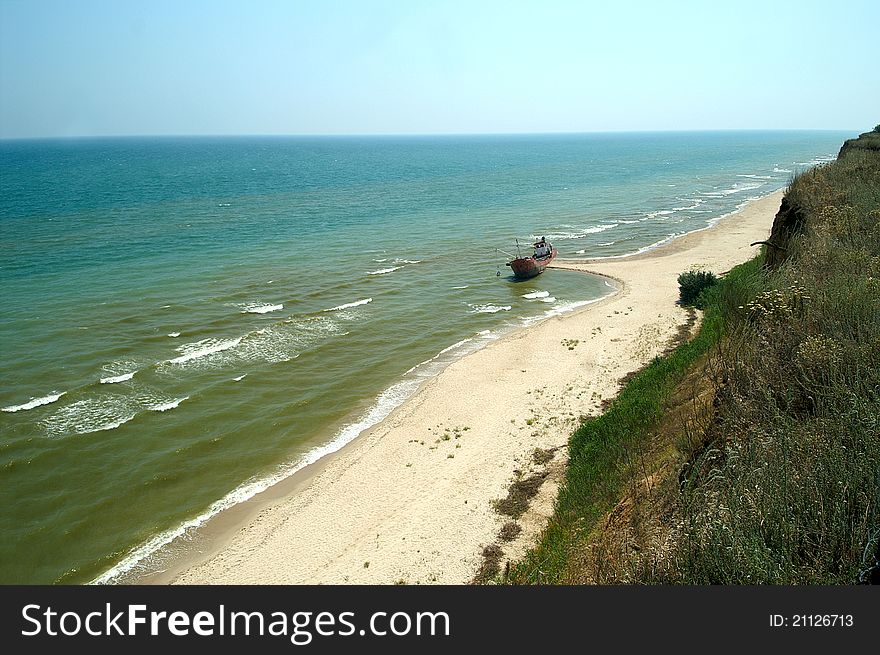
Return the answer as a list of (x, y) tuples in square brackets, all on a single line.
[(401, 503)]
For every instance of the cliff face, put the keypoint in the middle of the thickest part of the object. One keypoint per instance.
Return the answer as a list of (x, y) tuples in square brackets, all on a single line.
[(790, 220), (788, 223), (867, 141)]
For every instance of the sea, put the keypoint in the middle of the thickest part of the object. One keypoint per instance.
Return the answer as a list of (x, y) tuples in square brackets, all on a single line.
[(187, 321)]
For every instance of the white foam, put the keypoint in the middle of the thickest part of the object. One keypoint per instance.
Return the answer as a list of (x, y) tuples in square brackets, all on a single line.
[(407, 261), (203, 348), (536, 294), (488, 309), (736, 188), (239, 378), (570, 307), (118, 378), (174, 335), (823, 159), (350, 305), (90, 415), (261, 308), (387, 401), (656, 244), (383, 271), (462, 287), (776, 169), (584, 252), (596, 229), (455, 345), (35, 402), (697, 202), (547, 299), (164, 407)]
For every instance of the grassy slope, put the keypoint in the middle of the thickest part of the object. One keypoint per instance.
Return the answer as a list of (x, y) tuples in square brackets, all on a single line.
[(782, 484)]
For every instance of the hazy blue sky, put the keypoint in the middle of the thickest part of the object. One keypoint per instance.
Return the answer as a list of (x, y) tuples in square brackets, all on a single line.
[(90, 67)]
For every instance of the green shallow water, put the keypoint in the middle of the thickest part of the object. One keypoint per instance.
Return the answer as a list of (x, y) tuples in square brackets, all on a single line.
[(188, 320)]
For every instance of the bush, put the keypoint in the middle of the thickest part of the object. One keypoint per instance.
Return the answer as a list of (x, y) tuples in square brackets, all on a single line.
[(691, 284)]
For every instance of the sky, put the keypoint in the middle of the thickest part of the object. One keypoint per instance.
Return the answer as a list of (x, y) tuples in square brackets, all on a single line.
[(181, 67)]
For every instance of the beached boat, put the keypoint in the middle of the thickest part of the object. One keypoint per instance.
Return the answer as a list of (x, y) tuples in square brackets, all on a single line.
[(526, 267)]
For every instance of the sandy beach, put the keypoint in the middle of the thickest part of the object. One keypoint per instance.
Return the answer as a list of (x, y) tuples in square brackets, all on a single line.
[(411, 500)]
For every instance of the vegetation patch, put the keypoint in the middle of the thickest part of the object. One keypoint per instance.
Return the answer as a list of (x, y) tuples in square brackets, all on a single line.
[(692, 284)]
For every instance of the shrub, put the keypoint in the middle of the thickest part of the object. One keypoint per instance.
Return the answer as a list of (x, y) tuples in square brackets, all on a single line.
[(691, 284)]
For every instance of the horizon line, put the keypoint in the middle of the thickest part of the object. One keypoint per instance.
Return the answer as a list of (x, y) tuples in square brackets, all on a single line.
[(410, 134)]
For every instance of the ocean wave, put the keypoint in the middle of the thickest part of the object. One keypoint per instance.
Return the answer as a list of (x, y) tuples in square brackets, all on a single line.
[(260, 308), (547, 299), (171, 404), (457, 344), (239, 378), (488, 309), (407, 261), (383, 271), (736, 188), (776, 169), (815, 161), (583, 252), (90, 415), (34, 402), (174, 335), (580, 234), (536, 294), (570, 307), (284, 341), (118, 378), (350, 305), (647, 248), (203, 348), (485, 335), (757, 177), (685, 208), (273, 345), (279, 342), (462, 287)]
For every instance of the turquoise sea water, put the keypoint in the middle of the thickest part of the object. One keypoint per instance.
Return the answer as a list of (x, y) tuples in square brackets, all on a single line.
[(185, 321)]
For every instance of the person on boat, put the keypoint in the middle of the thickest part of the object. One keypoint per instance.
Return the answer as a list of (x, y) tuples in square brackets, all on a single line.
[(541, 248)]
